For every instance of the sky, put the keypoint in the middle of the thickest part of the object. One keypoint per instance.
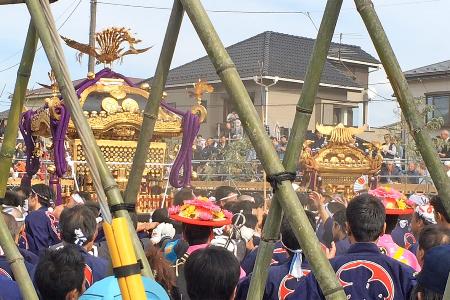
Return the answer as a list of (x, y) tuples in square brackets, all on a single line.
[(417, 29)]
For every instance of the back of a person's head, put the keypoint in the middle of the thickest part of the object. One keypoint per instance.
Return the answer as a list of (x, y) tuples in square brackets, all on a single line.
[(433, 235), (181, 195), (439, 208), (340, 218), (11, 199), (85, 196), (44, 194), (365, 216), (60, 272), (223, 191), (22, 190), (250, 221), (288, 237), (211, 274), (334, 207), (195, 234), (12, 225), (78, 225), (161, 215), (391, 223), (238, 206), (259, 200), (94, 206)]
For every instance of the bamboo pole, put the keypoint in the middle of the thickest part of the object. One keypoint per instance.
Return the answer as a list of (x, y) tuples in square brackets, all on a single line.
[(398, 81), (45, 25), (264, 148), (302, 117), (152, 106), (7, 243)]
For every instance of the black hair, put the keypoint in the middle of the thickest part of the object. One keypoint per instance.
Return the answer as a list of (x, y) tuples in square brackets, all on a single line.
[(25, 190), (85, 196), (44, 194), (195, 234), (12, 199), (433, 235), (340, 218), (161, 215), (236, 207), (287, 234), (365, 216), (75, 219), (391, 223), (251, 221), (334, 207), (181, 195), (438, 206), (94, 206), (427, 294), (12, 225), (223, 191), (211, 274), (59, 272)]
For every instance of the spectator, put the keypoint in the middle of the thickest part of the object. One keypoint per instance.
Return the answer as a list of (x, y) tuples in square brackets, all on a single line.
[(388, 149), (339, 231), (210, 150), (212, 273), (281, 150), (366, 220), (41, 226), (444, 149), (319, 141), (440, 214), (390, 173), (224, 194), (431, 281), (60, 274), (412, 174), (238, 131)]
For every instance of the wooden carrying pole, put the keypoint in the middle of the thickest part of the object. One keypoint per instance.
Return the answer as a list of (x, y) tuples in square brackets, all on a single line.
[(45, 26), (152, 106), (264, 148), (7, 243), (398, 82), (302, 117)]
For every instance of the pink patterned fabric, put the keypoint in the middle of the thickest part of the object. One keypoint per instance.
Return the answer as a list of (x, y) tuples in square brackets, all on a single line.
[(387, 244)]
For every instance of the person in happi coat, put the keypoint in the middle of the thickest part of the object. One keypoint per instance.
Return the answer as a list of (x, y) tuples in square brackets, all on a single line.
[(395, 206), (198, 217), (41, 226), (283, 278), (364, 272)]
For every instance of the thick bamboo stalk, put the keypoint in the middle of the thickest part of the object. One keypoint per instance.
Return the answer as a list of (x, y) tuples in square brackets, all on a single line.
[(264, 148), (302, 117), (45, 25), (152, 106), (6, 155), (398, 81)]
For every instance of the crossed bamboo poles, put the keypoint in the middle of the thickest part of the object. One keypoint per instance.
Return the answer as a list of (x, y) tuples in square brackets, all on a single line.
[(285, 198)]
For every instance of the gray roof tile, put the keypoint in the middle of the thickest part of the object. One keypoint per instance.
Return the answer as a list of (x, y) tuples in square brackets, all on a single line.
[(281, 55), (442, 67)]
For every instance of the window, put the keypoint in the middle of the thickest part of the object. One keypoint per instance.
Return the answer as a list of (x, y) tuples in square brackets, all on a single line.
[(441, 103), (344, 115)]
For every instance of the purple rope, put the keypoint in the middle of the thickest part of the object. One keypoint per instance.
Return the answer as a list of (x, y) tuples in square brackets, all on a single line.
[(190, 123), (59, 130), (32, 162)]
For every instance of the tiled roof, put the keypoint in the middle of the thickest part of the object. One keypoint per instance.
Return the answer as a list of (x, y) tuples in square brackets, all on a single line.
[(440, 68), (275, 54)]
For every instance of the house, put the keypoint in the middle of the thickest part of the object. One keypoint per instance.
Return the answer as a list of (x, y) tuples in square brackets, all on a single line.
[(280, 60), (432, 82)]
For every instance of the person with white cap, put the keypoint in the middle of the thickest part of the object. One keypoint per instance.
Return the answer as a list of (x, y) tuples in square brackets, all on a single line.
[(423, 216)]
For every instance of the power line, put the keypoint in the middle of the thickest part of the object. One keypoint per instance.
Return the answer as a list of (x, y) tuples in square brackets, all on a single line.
[(40, 47)]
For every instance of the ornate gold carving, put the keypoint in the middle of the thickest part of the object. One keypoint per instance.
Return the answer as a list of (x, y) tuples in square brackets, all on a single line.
[(201, 87), (40, 123), (340, 134), (110, 105), (109, 45), (130, 105)]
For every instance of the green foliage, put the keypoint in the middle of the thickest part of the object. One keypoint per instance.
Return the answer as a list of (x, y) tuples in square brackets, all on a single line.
[(235, 160)]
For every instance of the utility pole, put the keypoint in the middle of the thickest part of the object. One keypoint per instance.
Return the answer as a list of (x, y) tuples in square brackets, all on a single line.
[(91, 63), (259, 81)]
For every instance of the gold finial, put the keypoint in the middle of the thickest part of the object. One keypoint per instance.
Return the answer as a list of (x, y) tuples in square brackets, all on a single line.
[(200, 87), (90, 75), (53, 83), (109, 45), (145, 86), (339, 133)]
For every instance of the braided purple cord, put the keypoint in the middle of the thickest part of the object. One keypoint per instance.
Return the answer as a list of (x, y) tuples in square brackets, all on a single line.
[(32, 162)]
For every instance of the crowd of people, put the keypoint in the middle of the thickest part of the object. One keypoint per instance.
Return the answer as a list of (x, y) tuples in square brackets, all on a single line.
[(381, 244)]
